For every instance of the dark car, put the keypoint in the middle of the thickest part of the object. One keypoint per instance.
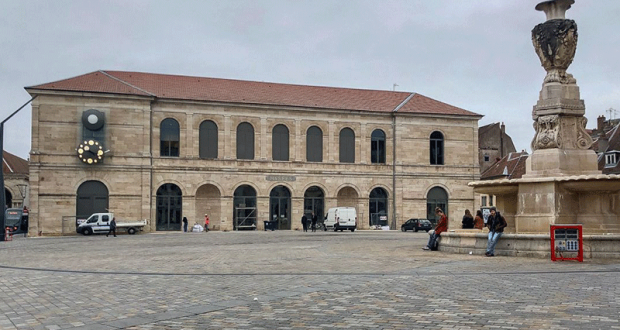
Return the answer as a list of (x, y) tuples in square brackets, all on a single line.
[(417, 224)]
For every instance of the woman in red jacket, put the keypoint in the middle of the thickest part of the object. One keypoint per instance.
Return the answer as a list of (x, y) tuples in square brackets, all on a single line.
[(442, 225)]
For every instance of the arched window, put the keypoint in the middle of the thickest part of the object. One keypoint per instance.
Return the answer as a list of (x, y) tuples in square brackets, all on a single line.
[(279, 142), (169, 138), (347, 145), (377, 147), (92, 197), (436, 148), (245, 141), (208, 140), (437, 197), (378, 207), (314, 144)]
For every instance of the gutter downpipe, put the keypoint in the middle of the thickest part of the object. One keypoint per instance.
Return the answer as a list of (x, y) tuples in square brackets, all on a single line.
[(393, 226), (151, 163)]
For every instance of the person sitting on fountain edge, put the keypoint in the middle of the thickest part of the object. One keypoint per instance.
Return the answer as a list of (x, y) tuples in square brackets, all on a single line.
[(442, 225), (496, 224)]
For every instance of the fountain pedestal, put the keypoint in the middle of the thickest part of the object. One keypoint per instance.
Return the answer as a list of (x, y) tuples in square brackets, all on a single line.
[(562, 184)]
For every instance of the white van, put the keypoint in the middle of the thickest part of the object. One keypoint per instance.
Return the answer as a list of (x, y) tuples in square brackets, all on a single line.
[(341, 218)]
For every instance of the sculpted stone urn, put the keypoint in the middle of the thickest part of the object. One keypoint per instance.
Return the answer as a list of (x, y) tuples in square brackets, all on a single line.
[(560, 145), (555, 40)]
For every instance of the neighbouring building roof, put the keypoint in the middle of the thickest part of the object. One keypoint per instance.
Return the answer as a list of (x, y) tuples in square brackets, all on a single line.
[(177, 87), (12, 164), (606, 142), (512, 166), (487, 132)]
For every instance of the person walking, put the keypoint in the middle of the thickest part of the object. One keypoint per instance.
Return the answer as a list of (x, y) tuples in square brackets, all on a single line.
[(496, 224), (206, 222), (304, 222), (184, 224), (479, 220), (468, 220), (112, 228), (314, 220), (442, 225)]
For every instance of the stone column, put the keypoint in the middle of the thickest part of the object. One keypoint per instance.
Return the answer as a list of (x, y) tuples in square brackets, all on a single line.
[(561, 143), (298, 211), (189, 148), (226, 213), (364, 146), (227, 139), (297, 152), (330, 145), (265, 144)]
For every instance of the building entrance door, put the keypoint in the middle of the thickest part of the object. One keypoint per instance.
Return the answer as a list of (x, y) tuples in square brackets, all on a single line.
[(169, 207), (280, 207), (92, 197)]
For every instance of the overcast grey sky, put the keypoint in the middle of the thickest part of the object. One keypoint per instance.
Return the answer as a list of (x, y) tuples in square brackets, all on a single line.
[(473, 54)]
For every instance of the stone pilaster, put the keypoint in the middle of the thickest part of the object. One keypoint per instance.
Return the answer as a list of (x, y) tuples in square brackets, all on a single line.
[(228, 153)]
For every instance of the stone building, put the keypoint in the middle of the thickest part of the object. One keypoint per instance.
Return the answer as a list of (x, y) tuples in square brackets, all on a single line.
[(15, 171), (163, 147), (606, 138), (493, 144)]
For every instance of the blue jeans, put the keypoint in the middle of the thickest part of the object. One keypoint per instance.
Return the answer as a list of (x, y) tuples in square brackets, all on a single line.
[(431, 240), (493, 238)]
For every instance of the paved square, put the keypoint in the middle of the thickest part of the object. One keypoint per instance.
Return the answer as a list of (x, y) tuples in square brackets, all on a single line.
[(293, 280)]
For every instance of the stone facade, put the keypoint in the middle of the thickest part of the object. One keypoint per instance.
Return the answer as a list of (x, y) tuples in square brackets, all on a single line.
[(493, 144), (133, 170)]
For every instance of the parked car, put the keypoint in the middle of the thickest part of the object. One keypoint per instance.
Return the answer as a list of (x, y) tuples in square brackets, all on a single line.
[(417, 224)]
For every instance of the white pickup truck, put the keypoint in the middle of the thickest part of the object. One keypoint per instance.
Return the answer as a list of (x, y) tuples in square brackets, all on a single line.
[(99, 223)]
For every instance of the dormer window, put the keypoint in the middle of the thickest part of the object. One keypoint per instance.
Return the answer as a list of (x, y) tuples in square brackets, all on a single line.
[(610, 159)]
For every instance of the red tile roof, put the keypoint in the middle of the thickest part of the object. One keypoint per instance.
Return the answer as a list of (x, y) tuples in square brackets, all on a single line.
[(13, 165), (513, 164), (249, 92)]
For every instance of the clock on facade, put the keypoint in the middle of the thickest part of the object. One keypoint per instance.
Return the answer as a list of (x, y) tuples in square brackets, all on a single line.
[(90, 152)]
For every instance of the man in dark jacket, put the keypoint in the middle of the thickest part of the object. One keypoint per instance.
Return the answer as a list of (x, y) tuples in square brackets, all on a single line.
[(304, 222), (112, 228), (496, 224)]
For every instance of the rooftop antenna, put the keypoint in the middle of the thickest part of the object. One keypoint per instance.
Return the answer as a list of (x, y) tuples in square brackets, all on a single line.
[(394, 87), (612, 113)]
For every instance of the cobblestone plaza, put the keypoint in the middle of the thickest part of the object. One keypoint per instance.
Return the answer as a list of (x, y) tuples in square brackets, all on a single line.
[(293, 280)]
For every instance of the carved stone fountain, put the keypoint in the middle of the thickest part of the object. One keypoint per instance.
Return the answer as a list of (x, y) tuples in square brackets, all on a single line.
[(562, 184)]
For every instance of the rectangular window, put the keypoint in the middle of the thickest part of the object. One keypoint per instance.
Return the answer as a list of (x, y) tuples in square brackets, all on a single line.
[(483, 201), (610, 159)]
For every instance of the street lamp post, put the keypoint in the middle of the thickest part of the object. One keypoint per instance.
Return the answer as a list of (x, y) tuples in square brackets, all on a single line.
[(23, 191), (3, 194)]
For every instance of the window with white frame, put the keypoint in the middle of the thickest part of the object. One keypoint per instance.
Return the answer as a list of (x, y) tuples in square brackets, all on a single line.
[(610, 159)]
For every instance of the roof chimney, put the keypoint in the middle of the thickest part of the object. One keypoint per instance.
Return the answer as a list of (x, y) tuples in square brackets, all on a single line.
[(503, 128), (600, 122)]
